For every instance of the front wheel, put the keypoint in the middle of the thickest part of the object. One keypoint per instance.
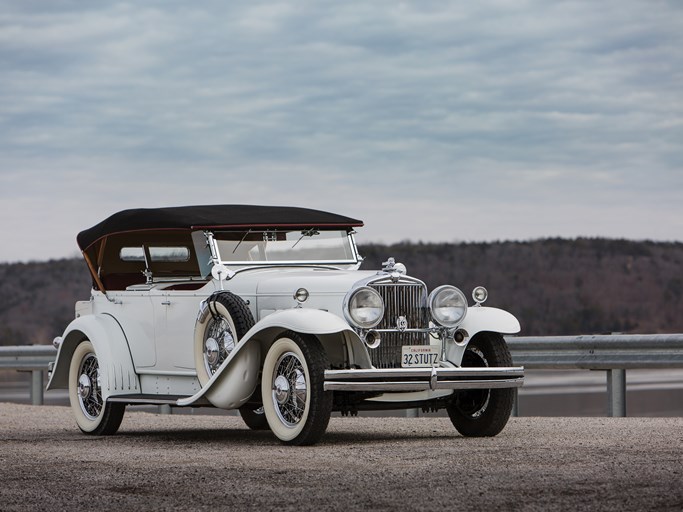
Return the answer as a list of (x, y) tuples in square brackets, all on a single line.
[(295, 403), (93, 414), (483, 412)]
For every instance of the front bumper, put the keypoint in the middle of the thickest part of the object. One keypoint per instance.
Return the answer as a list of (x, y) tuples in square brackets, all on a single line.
[(423, 379)]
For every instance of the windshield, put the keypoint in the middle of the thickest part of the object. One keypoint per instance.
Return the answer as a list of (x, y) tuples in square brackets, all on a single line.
[(283, 246)]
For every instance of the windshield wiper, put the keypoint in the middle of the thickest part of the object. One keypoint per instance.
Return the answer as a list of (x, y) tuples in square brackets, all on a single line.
[(240, 242), (308, 232)]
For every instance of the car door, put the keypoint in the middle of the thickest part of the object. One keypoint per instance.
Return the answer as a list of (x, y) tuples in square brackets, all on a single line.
[(134, 311), (175, 315)]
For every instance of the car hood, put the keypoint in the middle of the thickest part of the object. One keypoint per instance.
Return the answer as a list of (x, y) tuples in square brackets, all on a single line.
[(273, 289), (316, 281)]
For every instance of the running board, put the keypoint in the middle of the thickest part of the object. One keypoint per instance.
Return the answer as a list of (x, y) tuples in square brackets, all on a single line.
[(138, 399), (423, 379)]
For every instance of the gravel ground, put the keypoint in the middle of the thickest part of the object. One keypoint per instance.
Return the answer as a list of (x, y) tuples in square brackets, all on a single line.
[(181, 462)]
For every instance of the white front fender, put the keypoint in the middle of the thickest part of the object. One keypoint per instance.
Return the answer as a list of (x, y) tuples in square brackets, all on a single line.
[(480, 318), (310, 321), (236, 379)]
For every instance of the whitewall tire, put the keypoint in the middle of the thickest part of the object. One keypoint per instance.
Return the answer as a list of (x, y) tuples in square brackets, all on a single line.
[(295, 403), (93, 414)]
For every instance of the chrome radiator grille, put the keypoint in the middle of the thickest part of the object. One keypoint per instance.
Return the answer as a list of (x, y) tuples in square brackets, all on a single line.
[(400, 299)]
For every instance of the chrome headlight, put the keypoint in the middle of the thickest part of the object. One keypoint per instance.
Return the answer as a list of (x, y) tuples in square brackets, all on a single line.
[(364, 307), (448, 305), (480, 294)]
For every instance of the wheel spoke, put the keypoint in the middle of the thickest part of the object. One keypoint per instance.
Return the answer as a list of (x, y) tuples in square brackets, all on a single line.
[(291, 361), (91, 404), (296, 406), (290, 408)]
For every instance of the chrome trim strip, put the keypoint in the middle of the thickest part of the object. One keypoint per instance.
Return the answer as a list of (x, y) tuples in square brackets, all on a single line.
[(425, 373), (427, 330), (424, 379), (276, 263), (165, 373), (422, 386)]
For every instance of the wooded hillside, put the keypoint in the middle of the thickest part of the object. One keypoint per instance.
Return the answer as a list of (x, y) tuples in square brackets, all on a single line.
[(558, 286), (553, 286)]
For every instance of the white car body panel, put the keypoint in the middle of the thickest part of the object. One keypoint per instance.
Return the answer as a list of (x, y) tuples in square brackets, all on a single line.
[(481, 318), (117, 373), (135, 312)]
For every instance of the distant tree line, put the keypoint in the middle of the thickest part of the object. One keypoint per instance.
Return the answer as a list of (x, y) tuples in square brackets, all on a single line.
[(558, 286), (554, 286)]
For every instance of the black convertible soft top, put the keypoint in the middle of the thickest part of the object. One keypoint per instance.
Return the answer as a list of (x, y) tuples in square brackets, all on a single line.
[(227, 216)]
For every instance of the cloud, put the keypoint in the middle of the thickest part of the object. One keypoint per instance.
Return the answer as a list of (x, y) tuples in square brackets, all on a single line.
[(414, 114)]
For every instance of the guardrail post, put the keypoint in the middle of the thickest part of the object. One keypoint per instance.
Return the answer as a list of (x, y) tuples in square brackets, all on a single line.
[(165, 409), (37, 387), (616, 391)]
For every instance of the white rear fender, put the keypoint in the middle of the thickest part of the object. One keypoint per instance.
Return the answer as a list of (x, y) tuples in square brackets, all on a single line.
[(117, 374), (237, 378), (481, 318)]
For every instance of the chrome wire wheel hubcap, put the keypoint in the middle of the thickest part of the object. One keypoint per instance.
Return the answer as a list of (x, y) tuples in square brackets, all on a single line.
[(212, 351), (290, 389), (89, 392), (281, 390), (84, 386), (474, 402), (219, 341)]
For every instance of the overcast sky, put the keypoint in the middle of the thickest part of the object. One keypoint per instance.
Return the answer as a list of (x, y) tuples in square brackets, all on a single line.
[(433, 121)]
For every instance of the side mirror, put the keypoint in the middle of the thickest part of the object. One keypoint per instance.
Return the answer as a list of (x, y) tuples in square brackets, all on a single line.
[(221, 273)]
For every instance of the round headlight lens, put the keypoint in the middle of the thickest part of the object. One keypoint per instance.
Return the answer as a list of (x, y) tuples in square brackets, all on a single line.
[(365, 308), (448, 305)]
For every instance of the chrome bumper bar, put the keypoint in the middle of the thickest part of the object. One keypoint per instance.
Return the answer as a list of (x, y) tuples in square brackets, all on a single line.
[(422, 379)]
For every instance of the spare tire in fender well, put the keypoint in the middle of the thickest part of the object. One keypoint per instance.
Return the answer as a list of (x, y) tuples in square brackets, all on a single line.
[(223, 320)]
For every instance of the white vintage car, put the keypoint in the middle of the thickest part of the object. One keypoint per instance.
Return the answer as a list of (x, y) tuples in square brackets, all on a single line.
[(264, 310)]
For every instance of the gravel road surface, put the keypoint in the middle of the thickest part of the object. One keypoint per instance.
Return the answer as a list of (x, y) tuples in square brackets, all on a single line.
[(183, 462)]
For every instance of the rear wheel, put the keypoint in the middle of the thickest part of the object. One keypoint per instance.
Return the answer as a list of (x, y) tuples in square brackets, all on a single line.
[(294, 400), (254, 417), (93, 414), (483, 412)]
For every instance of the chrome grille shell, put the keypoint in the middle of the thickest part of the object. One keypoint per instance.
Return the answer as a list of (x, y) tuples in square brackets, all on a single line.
[(407, 298)]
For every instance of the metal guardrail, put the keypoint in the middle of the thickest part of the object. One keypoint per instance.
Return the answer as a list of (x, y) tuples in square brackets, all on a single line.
[(613, 353), (598, 352), (29, 358)]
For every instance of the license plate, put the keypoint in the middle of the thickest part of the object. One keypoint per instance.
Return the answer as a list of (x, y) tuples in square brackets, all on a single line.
[(420, 356)]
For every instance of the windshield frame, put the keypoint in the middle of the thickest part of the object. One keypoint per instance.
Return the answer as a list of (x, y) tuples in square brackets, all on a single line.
[(214, 239)]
